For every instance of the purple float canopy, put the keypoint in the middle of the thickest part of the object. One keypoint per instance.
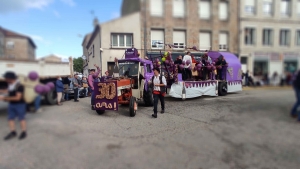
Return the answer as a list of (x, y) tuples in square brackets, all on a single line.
[(234, 69)]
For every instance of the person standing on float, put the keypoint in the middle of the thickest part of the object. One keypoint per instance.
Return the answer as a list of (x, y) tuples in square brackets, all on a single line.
[(91, 78)]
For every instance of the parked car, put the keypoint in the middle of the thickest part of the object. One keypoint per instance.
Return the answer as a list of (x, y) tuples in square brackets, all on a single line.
[(70, 91)]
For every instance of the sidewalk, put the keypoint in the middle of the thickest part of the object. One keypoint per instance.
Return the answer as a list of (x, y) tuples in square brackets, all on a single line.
[(268, 88)]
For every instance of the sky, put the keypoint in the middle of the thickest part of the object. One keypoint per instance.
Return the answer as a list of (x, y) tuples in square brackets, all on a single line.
[(56, 26)]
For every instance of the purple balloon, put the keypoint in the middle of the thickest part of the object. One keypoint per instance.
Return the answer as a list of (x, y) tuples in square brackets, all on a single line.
[(208, 67), (219, 67), (167, 62), (51, 85), (33, 75), (199, 68), (181, 67), (194, 47), (46, 89), (157, 60), (190, 68), (213, 63), (188, 62), (39, 89), (183, 62), (199, 65), (214, 68)]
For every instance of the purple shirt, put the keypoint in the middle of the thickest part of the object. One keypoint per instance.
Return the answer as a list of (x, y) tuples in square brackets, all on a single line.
[(91, 78)]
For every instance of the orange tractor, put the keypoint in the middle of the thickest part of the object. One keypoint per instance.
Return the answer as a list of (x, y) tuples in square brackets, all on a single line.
[(127, 86)]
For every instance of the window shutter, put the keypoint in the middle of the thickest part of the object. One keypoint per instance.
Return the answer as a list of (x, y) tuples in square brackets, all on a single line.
[(178, 8), (223, 41), (204, 9), (156, 7), (157, 36), (223, 11), (204, 40), (178, 37)]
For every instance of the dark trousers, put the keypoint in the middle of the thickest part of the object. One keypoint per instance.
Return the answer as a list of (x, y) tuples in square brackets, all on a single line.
[(75, 94), (162, 101), (187, 74), (204, 74), (220, 74), (297, 104), (92, 97)]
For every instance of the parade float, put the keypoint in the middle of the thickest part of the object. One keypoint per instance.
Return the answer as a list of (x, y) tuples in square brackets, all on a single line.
[(130, 82)]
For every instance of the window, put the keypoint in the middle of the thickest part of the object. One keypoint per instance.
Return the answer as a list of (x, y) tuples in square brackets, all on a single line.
[(179, 39), (298, 38), (223, 10), (204, 9), (223, 40), (10, 45), (267, 38), (260, 68), (178, 8), (268, 7), (121, 40), (284, 39), (244, 60), (298, 8), (285, 7), (205, 40), (250, 6), (148, 67), (249, 36), (157, 39), (156, 7)]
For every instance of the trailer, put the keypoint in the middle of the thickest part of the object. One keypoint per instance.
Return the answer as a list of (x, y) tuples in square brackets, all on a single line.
[(47, 71)]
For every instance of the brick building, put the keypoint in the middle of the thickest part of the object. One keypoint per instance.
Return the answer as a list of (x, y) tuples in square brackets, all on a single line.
[(145, 23), (202, 23), (16, 46)]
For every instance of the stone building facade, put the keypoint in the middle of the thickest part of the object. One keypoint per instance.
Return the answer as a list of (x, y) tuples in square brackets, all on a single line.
[(186, 23), (270, 36), (16, 46)]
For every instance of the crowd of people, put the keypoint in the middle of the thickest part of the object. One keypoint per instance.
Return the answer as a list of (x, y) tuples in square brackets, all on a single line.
[(275, 80), (205, 73)]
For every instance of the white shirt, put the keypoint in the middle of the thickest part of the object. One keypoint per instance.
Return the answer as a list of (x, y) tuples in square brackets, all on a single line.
[(11, 87), (186, 58), (156, 81)]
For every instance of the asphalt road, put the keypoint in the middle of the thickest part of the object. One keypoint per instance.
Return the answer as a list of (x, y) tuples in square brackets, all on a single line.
[(247, 130)]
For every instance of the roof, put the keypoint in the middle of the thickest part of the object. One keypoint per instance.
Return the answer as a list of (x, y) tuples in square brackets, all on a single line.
[(8, 33), (86, 38)]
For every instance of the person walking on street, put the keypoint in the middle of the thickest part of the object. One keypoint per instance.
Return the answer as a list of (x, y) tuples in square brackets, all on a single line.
[(296, 86), (159, 90), (75, 87), (17, 105), (92, 76), (59, 90)]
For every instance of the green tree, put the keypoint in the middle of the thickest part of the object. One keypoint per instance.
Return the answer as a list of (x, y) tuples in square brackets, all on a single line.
[(78, 65)]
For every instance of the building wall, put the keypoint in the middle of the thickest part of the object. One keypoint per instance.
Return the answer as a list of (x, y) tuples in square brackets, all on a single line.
[(93, 56), (52, 58), (129, 9), (275, 56), (19, 51), (2, 44), (192, 24), (127, 24), (31, 51)]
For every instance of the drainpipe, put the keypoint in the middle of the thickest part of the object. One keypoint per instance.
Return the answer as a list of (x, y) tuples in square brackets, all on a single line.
[(145, 26), (100, 50)]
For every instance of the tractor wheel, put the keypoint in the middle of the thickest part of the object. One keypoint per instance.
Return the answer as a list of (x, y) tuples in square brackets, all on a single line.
[(100, 112), (222, 89), (132, 110), (148, 97), (51, 97)]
